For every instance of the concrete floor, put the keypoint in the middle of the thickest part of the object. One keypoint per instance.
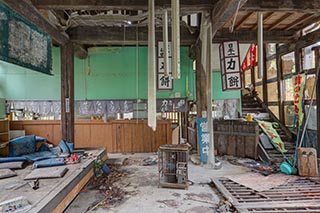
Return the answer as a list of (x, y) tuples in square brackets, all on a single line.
[(147, 197)]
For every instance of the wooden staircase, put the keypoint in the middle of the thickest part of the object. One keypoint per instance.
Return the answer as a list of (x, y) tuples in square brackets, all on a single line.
[(251, 104)]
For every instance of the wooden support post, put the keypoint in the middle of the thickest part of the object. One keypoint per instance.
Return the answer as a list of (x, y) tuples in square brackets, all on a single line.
[(67, 92), (201, 83), (264, 76), (317, 55), (297, 59), (279, 85)]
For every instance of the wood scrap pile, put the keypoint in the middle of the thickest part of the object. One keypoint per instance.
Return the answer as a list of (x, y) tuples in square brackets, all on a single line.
[(111, 186)]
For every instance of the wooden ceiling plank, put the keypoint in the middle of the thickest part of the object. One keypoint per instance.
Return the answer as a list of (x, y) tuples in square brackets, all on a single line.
[(29, 12), (243, 20), (223, 11), (265, 19), (305, 6), (280, 20), (295, 23)]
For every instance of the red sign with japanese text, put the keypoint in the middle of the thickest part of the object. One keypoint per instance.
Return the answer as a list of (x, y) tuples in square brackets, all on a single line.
[(298, 82)]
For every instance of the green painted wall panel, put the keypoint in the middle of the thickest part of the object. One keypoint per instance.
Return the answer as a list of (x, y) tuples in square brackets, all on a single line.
[(217, 92), (113, 75)]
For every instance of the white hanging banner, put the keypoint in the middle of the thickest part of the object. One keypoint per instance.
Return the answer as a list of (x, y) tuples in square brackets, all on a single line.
[(175, 10), (166, 63), (230, 65), (152, 104)]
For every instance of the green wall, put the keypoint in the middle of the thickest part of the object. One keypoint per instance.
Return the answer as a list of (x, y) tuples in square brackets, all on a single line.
[(114, 74)]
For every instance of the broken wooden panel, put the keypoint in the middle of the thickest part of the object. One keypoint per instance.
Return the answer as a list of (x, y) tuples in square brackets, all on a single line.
[(288, 89), (236, 138), (271, 49), (272, 91), (309, 87), (259, 90), (271, 69), (247, 77), (256, 78), (289, 115), (274, 110), (288, 63)]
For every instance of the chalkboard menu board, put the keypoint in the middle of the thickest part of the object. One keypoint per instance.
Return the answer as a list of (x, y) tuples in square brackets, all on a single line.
[(23, 43)]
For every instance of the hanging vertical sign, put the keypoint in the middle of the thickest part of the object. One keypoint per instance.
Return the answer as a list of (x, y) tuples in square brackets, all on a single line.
[(253, 55), (164, 77), (298, 82), (203, 138), (230, 65)]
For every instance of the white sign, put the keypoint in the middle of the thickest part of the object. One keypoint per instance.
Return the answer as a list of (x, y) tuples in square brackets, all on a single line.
[(230, 65), (233, 80), (161, 51), (161, 65), (165, 82)]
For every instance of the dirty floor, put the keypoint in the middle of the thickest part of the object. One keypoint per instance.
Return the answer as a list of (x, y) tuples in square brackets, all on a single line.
[(133, 188)]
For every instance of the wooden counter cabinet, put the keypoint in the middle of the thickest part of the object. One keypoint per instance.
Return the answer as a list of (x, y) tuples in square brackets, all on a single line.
[(122, 136), (4, 138)]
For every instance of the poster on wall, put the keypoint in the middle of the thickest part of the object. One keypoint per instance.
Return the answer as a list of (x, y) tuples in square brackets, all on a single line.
[(230, 65), (165, 82), (23, 43)]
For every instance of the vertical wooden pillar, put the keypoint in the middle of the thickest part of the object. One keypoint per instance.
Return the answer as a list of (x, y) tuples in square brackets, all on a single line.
[(201, 83), (317, 55), (67, 92), (264, 76), (280, 85), (297, 59)]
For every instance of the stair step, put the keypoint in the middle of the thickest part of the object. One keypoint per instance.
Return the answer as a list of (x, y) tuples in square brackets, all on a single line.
[(253, 109)]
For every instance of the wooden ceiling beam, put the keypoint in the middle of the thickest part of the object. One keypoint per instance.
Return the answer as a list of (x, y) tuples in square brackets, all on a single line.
[(90, 35), (249, 36), (119, 4), (117, 36), (280, 20), (305, 6), (223, 11), (301, 42), (29, 12), (295, 23), (243, 20)]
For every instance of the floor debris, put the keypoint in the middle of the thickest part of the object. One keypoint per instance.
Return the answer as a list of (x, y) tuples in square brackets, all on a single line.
[(170, 203), (201, 197)]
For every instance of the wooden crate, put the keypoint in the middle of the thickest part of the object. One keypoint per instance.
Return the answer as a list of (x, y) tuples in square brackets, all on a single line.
[(307, 162), (236, 138)]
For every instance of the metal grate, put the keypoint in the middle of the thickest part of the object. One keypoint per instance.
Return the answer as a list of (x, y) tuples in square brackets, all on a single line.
[(301, 195)]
